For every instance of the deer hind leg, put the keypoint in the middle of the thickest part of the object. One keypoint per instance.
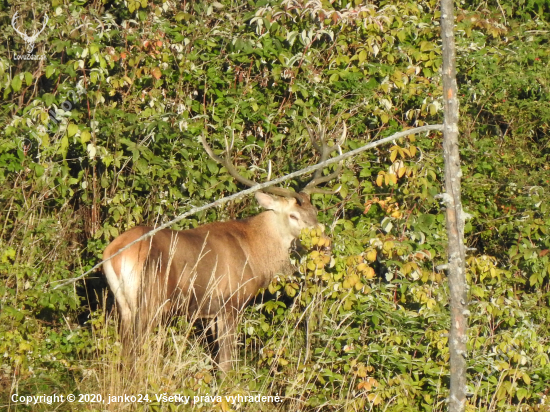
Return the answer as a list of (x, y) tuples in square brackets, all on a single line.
[(126, 328), (153, 301), (126, 317), (226, 325)]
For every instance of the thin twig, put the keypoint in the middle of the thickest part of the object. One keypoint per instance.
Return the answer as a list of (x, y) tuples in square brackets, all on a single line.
[(503, 14), (258, 187)]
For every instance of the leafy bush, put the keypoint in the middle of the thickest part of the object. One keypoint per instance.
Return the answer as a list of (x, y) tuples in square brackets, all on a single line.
[(104, 134)]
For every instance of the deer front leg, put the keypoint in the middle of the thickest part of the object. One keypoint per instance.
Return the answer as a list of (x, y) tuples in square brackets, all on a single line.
[(226, 325)]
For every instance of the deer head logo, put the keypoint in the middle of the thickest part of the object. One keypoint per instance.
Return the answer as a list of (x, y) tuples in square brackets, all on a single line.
[(29, 40)]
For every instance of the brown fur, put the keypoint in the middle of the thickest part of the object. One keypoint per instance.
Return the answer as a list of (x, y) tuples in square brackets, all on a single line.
[(210, 271)]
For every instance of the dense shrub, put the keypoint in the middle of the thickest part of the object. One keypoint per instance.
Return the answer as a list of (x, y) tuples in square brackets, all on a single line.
[(103, 134)]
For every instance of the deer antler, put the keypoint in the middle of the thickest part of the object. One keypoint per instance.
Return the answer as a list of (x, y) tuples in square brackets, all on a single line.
[(320, 144), (279, 191)]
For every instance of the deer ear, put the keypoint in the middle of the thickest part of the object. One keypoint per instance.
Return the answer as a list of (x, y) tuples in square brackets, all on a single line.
[(266, 201)]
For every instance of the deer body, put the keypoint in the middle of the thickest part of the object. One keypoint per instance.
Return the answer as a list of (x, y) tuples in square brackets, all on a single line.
[(214, 270), (210, 271)]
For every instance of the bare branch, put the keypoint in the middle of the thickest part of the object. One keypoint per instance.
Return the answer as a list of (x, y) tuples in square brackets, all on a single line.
[(454, 214)]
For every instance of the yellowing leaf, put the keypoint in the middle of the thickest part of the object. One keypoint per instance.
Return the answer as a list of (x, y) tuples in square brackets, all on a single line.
[(369, 273), (387, 246), (85, 137), (394, 150), (225, 405), (374, 398), (391, 179), (44, 117), (397, 214), (156, 73), (273, 288), (290, 289), (380, 179), (72, 129), (371, 255), (64, 146)]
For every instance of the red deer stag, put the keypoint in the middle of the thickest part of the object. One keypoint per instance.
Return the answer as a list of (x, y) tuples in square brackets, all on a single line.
[(212, 270)]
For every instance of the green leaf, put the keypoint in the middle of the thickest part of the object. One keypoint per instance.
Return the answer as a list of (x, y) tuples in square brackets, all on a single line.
[(113, 231), (343, 191), (50, 71), (63, 148), (521, 393), (72, 129), (182, 16), (38, 169), (425, 221), (85, 137), (28, 78), (212, 166), (48, 99), (16, 83)]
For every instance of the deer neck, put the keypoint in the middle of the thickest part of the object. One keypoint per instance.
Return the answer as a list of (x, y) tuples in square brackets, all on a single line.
[(271, 229), (268, 233)]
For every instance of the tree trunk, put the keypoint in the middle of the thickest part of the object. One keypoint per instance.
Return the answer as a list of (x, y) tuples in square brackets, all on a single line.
[(454, 215)]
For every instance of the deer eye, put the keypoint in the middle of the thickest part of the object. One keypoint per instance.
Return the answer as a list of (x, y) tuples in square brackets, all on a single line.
[(294, 217)]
